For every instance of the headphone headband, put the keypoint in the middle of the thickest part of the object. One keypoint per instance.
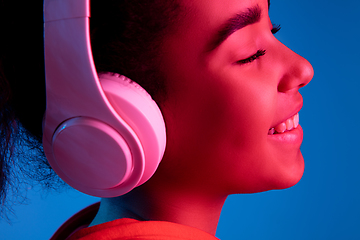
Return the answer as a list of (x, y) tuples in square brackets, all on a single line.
[(65, 9)]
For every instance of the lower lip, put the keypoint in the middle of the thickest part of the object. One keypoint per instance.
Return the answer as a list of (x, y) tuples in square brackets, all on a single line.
[(294, 136)]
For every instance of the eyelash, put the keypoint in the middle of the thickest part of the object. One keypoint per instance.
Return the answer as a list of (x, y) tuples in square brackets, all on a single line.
[(275, 28), (252, 58), (259, 53)]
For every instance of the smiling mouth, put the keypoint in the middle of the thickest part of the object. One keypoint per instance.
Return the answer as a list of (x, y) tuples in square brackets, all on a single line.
[(287, 125)]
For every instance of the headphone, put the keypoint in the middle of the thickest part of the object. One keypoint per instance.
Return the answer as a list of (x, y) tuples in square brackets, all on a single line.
[(103, 135)]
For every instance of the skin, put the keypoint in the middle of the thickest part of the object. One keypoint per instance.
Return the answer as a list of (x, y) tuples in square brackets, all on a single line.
[(218, 113)]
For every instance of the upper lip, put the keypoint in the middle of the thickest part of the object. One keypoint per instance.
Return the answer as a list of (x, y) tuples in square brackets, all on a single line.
[(289, 115)]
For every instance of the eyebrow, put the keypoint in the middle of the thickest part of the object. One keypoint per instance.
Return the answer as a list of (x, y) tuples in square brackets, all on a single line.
[(240, 20)]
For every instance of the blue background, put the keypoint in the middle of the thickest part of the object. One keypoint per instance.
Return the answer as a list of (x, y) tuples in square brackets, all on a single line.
[(325, 203)]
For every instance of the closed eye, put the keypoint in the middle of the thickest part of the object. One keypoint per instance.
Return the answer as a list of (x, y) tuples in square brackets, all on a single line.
[(252, 58)]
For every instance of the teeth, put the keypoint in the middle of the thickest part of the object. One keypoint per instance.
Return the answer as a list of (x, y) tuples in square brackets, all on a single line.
[(280, 128), (296, 120), (288, 125), (271, 131)]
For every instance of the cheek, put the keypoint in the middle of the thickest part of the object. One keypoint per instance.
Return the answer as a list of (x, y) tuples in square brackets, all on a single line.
[(251, 102), (217, 129)]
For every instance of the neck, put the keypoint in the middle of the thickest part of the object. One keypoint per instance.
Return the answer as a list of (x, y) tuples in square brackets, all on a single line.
[(187, 208)]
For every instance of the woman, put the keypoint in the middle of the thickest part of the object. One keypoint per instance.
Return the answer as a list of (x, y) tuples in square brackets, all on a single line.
[(228, 91), (229, 97)]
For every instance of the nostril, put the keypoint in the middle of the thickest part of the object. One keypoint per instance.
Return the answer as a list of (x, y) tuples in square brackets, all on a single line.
[(302, 85)]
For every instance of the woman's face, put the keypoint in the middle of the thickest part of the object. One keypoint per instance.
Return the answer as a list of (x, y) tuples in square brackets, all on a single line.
[(230, 83)]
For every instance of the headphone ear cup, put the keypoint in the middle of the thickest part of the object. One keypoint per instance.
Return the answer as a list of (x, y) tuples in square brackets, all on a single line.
[(93, 157), (141, 113), (103, 159)]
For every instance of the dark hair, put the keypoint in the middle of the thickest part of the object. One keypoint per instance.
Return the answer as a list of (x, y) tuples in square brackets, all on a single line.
[(126, 36), (22, 104)]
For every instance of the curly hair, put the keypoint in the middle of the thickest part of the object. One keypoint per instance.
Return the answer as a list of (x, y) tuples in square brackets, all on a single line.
[(22, 103)]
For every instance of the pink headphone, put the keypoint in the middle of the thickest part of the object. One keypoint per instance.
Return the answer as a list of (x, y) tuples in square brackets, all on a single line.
[(102, 135)]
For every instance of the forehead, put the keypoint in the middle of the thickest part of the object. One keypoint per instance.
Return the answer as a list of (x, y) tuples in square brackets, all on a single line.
[(204, 18), (211, 14), (219, 8)]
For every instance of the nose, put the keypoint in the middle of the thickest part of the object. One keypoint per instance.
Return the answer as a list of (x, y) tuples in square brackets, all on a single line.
[(298, 72)]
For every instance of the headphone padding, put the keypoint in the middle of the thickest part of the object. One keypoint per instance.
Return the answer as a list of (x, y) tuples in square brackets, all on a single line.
[(141, 113)]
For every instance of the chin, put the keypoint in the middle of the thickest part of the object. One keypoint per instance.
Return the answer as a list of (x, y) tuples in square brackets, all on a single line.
[(282, 178), (290, 176)]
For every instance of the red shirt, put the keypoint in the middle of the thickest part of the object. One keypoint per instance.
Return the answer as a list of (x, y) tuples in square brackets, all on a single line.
[(76, 229)]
